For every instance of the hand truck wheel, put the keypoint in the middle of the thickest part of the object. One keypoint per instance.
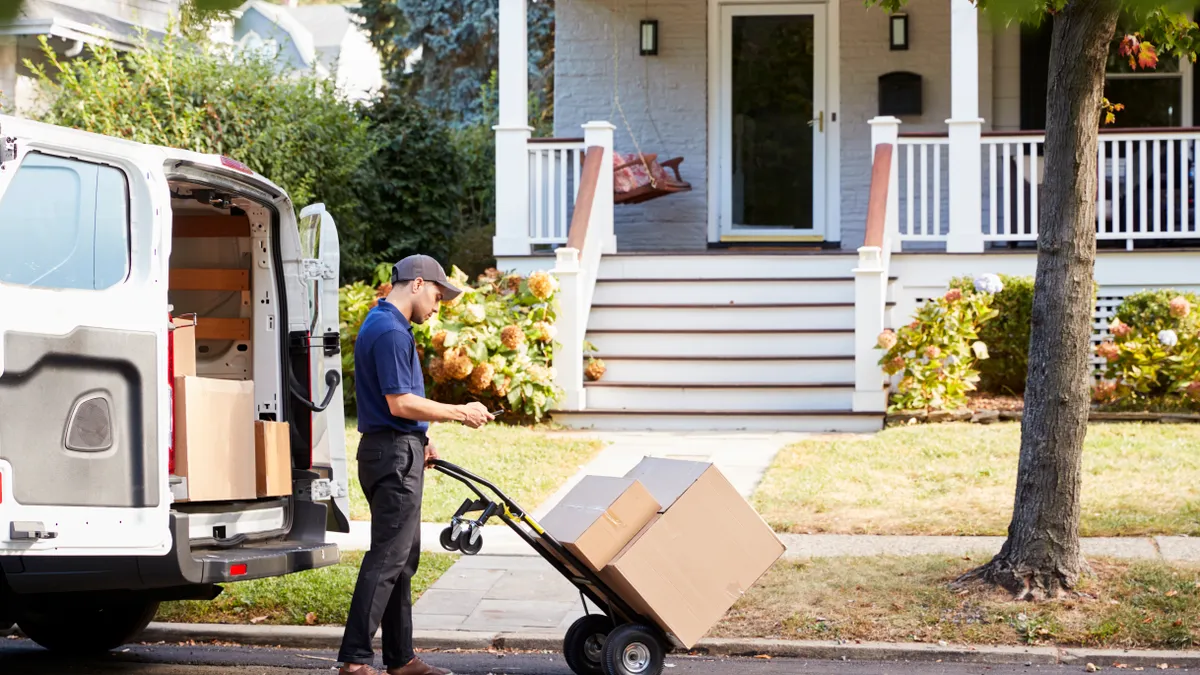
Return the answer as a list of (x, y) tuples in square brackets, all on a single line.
[(447, 539), (583, 646), (634, 649), (470, 541)]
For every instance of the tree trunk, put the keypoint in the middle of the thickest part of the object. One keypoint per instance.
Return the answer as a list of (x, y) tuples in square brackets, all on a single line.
[(1041, 557)]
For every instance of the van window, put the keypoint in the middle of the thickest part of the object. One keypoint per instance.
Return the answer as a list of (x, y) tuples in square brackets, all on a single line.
[(65, 224)]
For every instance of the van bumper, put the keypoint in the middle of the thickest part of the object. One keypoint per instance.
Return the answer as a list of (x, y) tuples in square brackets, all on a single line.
[(181, 569)]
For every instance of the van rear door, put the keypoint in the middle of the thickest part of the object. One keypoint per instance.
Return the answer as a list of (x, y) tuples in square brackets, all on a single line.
[(84, 419), (320, 270)]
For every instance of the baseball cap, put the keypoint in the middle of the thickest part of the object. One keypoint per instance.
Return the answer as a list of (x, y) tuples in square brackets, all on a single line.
[(426, 268)]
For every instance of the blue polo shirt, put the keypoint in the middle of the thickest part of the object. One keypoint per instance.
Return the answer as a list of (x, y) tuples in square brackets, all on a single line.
[(386, 362)]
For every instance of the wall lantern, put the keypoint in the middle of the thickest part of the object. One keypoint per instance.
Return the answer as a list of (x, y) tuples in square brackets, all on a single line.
[(899, 32), (649, 37)]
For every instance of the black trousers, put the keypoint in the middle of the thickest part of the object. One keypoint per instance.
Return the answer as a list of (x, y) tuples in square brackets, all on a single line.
[(391, 468)]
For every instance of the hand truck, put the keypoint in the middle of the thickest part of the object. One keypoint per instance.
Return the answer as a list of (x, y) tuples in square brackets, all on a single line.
[(617, 640)]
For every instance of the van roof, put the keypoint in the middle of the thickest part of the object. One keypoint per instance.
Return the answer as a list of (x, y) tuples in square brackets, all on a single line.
[(61, 135)]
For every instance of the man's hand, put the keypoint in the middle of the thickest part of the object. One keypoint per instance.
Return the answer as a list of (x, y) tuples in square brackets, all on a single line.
[(431, 454), (475, 414)]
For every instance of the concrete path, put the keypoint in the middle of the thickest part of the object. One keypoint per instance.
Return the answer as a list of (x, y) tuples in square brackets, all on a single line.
[(508, 588)]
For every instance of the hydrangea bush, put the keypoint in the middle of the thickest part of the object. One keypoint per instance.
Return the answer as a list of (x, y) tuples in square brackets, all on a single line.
[(1153, 358), (493, 344), (935, 356)]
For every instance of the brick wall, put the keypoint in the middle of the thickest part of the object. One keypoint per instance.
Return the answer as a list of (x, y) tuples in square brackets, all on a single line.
[(673, 87)]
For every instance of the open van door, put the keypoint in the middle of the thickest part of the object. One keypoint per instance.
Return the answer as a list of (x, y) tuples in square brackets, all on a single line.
[(84, 422), (320, 270)]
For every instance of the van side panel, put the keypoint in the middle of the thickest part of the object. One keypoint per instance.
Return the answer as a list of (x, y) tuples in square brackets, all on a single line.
[(79, 418)]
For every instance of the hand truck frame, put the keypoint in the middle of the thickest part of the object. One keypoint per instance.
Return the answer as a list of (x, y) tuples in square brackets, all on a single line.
[(616, 641)]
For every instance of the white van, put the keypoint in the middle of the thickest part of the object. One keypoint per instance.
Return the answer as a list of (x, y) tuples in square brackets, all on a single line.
[(103, 242)]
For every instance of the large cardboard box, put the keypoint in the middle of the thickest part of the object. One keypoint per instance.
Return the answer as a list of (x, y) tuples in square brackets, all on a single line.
[(214, 438), (273, 459), (599, 516), (688, 566), (184, 336)]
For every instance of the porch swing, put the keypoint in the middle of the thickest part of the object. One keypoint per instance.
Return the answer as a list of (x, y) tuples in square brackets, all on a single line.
[(640, 177)]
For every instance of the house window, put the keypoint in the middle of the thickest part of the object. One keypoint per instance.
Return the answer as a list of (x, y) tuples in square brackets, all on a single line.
[(1162, 97), (1152, 98), (65, 224)]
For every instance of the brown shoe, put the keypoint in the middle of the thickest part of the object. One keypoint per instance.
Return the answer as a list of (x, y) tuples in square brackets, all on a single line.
[(418, 667), (361, 670)]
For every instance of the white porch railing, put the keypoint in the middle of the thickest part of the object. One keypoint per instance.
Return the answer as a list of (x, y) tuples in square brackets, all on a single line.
[(1147, 187), (577, 263), (554, 170)]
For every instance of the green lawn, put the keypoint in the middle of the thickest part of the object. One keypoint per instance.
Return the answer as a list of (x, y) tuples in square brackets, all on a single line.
[(289, 599), (906, 599), (1139, 479), (528, 464)]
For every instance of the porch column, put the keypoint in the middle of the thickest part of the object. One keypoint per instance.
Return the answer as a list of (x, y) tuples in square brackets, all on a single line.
[(8, 74), (966, 176), (512, 133)]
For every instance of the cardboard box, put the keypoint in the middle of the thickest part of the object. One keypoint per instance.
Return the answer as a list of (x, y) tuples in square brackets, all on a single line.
[(688, 566), (184, 336), (272, 459), (599, 516), (667, 479), (214, 438)]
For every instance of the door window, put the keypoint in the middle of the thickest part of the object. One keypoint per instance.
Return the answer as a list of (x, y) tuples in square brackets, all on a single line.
[(65, 224)]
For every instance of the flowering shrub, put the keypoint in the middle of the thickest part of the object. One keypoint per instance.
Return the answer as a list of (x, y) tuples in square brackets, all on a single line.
[(935, 355), (1007, 336), (1153, 358), (493, 344)]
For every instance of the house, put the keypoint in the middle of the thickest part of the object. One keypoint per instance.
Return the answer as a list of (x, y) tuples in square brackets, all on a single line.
[(69, 25), (843, 164), (321, 38)]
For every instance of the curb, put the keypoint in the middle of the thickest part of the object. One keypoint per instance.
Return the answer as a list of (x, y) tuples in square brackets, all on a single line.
[(329, 637)]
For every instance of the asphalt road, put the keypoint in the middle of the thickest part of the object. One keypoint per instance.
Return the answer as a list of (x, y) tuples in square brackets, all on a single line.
[(18, 657)]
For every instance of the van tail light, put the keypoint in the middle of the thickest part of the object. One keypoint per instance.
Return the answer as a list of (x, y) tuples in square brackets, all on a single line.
[(171, 390)]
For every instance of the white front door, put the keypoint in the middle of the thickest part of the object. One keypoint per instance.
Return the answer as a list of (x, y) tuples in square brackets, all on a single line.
[(772, 122)]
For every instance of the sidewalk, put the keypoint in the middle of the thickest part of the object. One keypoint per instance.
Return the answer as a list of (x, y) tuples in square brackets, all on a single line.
[(508, 588)]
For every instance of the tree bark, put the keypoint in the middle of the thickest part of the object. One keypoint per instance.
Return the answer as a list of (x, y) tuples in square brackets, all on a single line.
[(1041, 556)]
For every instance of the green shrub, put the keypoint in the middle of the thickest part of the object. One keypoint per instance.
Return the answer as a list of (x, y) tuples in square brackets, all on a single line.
[(1006, 336), (291, 127), (1153, 358), (936, 354), (493, 344)]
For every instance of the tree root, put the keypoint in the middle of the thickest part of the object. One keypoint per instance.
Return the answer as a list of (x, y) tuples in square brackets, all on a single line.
[(1023, 581)]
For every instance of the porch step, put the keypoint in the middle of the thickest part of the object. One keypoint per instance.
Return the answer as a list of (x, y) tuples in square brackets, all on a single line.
[(655, 316), (804, 421), (709, 370), (740, 290), (730, 265), (733, 397), (728, 342)]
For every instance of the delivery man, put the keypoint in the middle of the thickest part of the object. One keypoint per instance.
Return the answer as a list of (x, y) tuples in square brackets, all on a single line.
[(393, 417)]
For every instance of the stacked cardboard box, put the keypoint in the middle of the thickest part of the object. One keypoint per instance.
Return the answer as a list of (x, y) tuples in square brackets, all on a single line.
[(224, 453), (674, 539)]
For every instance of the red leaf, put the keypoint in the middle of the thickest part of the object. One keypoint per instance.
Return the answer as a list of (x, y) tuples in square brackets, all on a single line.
[(1147, 56), (1129, 45)]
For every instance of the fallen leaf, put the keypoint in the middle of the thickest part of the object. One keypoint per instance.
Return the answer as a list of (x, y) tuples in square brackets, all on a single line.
[(1091, 668), (1163, 666), (1120, 665), (762, 656), (1148, 619), (1172, 593), (1177, 623), (258, 619), (310, 618)]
